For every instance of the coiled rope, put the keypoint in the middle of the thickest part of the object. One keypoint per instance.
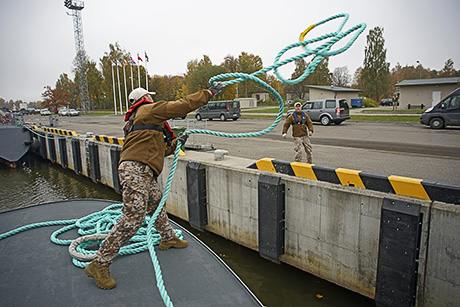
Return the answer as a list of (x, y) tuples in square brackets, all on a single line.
[(147, 237)]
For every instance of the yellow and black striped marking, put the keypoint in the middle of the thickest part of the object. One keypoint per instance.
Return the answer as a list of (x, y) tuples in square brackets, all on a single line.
[(60, 131), (411, 187), (109, 139)]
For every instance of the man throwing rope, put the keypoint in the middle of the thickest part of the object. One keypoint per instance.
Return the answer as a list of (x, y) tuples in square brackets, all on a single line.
[(148, 139)]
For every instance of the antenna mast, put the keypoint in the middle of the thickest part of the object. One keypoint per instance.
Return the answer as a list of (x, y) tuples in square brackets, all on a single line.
[(76, 7)]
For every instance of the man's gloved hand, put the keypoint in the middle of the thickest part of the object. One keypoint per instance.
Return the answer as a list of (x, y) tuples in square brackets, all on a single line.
[(216, 88), (183, 138)]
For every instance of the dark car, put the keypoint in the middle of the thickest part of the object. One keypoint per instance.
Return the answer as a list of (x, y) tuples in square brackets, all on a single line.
[(326, 111), (219, 109), (386, 102), (444, 113)]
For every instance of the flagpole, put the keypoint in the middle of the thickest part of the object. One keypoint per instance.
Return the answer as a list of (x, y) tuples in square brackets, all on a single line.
[(146, 75), (138, 70), (132, 80), (114, 95), (146, 78), (119, 89), (126, 91)]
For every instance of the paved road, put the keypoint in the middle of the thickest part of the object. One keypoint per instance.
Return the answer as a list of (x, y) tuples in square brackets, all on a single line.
[(404, 149)]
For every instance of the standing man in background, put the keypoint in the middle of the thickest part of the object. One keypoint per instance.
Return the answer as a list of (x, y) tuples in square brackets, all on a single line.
[(302, 129)]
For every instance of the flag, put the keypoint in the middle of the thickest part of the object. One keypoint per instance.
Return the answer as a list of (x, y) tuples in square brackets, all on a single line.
[(132, 61), (146, 57), (139, 58), (118, 63), (126, 62)]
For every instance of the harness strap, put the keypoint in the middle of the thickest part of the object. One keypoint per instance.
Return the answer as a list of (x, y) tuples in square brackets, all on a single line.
[(296, 118), (146, 127), (168, 134)]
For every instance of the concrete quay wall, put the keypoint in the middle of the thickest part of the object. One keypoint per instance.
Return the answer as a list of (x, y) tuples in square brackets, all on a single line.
[(329, 230)]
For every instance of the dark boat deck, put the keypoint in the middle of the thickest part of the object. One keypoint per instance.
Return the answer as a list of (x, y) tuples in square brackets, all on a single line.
[(35, 271)]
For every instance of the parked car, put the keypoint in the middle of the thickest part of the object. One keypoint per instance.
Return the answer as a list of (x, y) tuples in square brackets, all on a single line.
[(219, 109), (386, 102), (444, 113), (326, 111), (73, 112), (45, 112), (63, 112)]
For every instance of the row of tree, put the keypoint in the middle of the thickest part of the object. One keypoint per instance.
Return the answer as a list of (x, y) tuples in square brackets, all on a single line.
[(375, 77)]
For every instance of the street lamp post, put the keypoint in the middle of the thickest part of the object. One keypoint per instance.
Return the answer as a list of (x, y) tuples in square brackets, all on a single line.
[(420, 64)]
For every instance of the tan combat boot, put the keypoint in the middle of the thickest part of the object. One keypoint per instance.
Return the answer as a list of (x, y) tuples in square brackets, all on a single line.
[(174, 242), (101, 275)]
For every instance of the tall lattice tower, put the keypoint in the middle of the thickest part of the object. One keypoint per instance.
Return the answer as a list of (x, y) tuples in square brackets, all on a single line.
[(76, 7)]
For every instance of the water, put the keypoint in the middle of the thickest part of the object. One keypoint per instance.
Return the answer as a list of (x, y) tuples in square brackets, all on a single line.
[(39, 181)]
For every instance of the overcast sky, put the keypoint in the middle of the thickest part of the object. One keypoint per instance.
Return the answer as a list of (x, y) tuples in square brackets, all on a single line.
[(37, 37)]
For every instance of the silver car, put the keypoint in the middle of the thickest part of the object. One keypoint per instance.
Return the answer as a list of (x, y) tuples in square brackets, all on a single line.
[(326, 111)]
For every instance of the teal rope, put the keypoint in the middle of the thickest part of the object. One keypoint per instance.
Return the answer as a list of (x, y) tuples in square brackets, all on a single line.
[(147, 237), (96, 223), (320, 52)]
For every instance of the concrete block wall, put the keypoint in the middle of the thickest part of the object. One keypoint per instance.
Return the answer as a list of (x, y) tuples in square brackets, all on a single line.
[(331, 230), (442, 269)]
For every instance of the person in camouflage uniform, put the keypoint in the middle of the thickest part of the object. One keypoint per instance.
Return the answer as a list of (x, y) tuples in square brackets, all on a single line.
[(302, 129), (141, 162)]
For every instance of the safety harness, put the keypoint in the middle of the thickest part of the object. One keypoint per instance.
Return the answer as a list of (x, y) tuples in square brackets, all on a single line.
[(129, 127), (296, 118)]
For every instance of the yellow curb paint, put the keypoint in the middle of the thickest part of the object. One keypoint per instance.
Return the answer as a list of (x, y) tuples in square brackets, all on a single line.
[(349, 177), (266, 164), (109, 139), (303, 170), (408, 187)]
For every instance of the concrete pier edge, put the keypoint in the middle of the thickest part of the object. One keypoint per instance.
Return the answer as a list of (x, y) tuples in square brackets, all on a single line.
[(332, 227)]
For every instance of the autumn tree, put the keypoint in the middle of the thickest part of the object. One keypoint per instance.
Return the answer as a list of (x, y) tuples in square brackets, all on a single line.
[(95, 85), (322, 75), (376, 71), (277, 85), (231, 64), (341, 77), (199, 73), (167, 88), (357, 79), (68, 86), (55, 98), (299, 90), (448, 70), (250, 63)]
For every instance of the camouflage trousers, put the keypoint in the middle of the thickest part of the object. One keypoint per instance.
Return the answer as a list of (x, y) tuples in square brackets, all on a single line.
[(299, 143), (141, 195)]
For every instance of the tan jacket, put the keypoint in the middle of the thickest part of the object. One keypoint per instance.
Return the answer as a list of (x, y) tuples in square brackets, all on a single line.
[(298, 129), (148, 146)]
